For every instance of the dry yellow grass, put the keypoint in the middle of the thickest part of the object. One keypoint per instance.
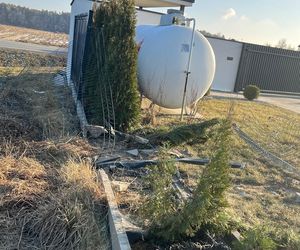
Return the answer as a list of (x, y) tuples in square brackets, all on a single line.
[(10, 71), (50, 197), (40, 109), (22, 179), (276, 129), (19, 34), (82, 174), (42, 208), (18, 58), (73, 217), (263, 193)]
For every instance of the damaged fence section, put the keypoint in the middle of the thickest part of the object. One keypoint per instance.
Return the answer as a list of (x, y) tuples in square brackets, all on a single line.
[(136, 164), (105, 84)]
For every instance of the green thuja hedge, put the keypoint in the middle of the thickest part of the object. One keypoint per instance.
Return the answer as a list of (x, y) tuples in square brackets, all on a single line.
[(170, 220), (110, 74)]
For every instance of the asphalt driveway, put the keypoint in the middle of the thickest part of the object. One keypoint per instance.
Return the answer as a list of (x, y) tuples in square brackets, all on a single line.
[(32, 47)]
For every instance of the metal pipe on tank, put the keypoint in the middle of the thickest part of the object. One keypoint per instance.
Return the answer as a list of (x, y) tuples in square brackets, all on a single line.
[(188, 65), (182, 8)]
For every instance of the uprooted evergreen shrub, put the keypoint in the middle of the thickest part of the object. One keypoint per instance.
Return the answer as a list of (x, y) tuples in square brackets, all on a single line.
[(110, 74), (257, 238), (183, 134), (171, 220), (251, 92), (160, 201), (269, 237)]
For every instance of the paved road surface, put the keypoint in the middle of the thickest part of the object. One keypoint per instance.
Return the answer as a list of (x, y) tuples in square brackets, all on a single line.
[(284, 101), (32, 47)]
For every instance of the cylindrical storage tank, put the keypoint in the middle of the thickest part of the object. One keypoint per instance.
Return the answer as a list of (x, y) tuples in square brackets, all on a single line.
[(162, 64)]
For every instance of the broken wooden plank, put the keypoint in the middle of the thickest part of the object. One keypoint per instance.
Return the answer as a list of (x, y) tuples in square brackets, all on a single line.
[(135, 138), (106, 159), (136, 164), (133, 152)]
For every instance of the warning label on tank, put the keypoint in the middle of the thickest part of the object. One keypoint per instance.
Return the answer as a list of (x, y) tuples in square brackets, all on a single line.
[(185, 48)]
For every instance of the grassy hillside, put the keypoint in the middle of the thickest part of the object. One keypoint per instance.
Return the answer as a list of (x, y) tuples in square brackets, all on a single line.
[(19, 34)]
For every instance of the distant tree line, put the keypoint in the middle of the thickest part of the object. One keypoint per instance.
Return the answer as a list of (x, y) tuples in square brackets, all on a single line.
[(282, 43), (36, 19), (218, 35)]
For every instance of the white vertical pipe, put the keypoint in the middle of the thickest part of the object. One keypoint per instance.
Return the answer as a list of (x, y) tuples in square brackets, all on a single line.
[(188, 65)]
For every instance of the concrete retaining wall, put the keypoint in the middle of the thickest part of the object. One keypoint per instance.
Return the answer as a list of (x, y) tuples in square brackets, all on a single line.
[(119, 238)]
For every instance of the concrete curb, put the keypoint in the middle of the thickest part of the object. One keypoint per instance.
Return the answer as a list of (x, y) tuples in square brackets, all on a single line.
[(119, 239)]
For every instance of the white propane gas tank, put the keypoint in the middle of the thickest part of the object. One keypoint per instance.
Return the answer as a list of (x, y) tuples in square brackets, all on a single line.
[(162, 64)]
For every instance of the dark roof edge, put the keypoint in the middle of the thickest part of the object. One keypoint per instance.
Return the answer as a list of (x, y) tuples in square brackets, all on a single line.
[(190, 1), (220, 38), (149, 11), (249, 43)]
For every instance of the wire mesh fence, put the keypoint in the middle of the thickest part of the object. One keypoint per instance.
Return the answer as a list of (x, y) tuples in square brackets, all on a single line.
[(272, 131), (97, 98), (35, 100), (90, 78), (102, 78)]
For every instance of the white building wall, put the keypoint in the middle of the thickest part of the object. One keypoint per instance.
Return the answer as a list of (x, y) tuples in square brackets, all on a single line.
[(228, 54), (147, 17), (78, 7)]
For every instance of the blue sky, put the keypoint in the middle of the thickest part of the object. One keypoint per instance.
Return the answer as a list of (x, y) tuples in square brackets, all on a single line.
[(257, 21)]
